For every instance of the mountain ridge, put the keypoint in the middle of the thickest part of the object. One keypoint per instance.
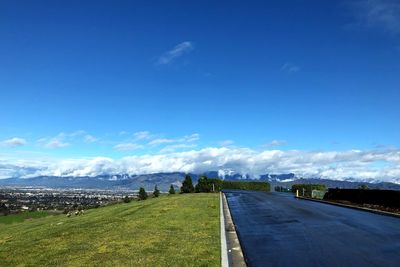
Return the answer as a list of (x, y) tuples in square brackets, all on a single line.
[(164, 179)]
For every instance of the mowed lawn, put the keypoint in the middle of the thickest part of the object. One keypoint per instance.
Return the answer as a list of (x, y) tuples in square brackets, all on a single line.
[(178, 230)]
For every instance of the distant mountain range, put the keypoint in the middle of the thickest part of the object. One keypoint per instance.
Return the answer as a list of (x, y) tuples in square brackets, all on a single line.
[(164, 180)]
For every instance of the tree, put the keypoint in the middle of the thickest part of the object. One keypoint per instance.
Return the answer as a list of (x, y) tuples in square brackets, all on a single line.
[(127, 199), (156, 192), (171, 190), (203, 185), (142, 194), (187, 185), (364, 187)]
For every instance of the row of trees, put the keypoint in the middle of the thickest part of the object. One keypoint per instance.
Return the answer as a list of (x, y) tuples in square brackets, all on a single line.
[(156, 193), (143, 194), (205, 184)]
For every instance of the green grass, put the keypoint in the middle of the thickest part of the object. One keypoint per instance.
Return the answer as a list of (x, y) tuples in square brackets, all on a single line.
[(179, 230), (9, 219)]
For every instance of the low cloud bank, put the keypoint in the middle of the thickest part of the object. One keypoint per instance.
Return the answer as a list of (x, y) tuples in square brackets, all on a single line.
[(373, 165)]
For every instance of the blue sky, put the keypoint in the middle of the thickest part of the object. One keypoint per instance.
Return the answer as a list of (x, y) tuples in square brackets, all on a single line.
[(83, 79)]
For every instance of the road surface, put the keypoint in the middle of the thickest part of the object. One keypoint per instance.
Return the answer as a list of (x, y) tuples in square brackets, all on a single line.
[(275, 229)]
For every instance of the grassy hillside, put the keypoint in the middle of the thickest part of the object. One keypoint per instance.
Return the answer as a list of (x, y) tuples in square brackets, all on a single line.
[(23, 217), (180, 230)]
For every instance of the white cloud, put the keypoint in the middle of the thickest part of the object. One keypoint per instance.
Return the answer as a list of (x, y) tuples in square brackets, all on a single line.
[(90, 139), (377, 165), (381, 14), (143, 135), (53, 143), (73, 134), (56, 143), (190, 138), (127, 146), (65, 139), (186, 139), (13, 142), (173, 148), (275, 143), (226, 143), (174, 53), (160, 141), (290, 67)]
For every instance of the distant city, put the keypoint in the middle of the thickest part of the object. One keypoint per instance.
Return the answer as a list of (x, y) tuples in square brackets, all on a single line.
[(14, 200)]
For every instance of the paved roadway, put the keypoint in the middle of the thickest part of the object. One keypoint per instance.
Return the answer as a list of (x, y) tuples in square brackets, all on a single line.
[(275, 229)]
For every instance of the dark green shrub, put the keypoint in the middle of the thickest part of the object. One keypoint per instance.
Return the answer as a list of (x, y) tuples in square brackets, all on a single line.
[(127, 199), (4, 209), (386, 198), (282, 189), (246, 185), (308, 188)]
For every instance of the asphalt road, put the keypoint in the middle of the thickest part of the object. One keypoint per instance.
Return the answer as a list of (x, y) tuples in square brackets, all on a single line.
[(275, 229)]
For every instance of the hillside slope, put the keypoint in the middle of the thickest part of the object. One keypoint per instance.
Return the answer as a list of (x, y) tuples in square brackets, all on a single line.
[(179, 230)]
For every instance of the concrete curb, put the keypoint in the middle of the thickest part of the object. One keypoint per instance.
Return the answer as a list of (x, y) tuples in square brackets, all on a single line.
[(235, 253), (380, 212), (224, 247)]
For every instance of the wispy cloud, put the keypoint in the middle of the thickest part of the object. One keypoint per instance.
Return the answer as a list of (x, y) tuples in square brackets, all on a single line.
[(143, 135), (74, 134), (380, 14), (64, 139), (90, 139), (160, 141), (173, 148), (186, 139), (128, 147), (56, 143), (226, 143), (13, 142), (290, 67), (176, 52), (190, 138), (275, 143)]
